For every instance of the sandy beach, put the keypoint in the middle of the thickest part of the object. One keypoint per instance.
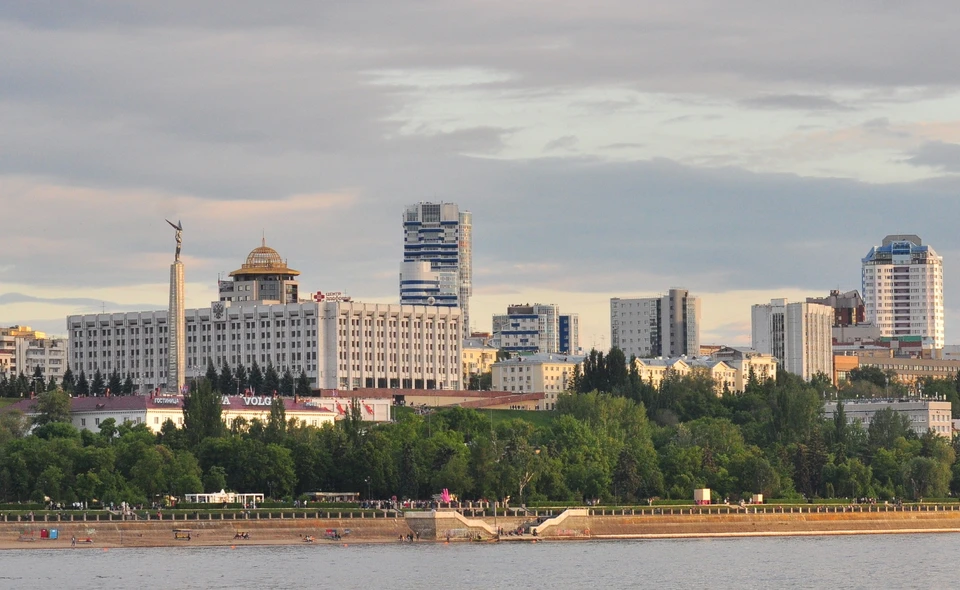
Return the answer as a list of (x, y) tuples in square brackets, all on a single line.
[(117, 534)]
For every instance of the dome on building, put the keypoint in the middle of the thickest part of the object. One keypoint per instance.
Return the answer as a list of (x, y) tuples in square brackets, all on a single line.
[(264, 260), (263, 257)]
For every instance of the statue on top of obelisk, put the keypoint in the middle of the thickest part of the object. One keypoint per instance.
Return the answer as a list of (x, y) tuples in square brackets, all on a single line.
[(176, 328), (179, 227)]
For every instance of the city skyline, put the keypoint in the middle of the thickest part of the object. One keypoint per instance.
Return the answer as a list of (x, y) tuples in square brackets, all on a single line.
[(742, 163)]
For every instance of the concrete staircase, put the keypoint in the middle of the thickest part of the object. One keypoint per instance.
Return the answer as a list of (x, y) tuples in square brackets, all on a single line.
[(555, 522)]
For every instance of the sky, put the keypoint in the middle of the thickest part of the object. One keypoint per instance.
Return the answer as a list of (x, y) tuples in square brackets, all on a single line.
[(744, 150)]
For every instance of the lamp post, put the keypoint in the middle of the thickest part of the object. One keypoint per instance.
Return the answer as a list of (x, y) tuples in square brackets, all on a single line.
[(369, 496)]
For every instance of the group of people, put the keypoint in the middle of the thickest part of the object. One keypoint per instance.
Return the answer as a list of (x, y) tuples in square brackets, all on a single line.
[(410, 537)]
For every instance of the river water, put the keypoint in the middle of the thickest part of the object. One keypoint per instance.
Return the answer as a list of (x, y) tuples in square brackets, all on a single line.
[(856, 561)]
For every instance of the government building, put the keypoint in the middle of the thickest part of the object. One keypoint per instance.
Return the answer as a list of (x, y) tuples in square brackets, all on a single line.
[(339, 343)]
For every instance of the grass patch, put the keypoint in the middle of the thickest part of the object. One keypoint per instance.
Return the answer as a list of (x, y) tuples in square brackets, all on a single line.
[(7, 401), (540, 419)]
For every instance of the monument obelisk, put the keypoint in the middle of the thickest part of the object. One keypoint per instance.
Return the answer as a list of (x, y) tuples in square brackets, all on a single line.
[(176, 323)]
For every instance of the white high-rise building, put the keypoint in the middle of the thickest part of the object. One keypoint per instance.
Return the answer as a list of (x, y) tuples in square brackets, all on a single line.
[(903, 289), (798, 335), (648, 327), (441, 234)]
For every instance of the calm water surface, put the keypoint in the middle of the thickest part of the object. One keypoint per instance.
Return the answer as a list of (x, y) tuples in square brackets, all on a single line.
[(859, 561)]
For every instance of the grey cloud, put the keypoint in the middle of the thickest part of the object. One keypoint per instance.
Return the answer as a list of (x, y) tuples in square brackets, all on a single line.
[(624, 145), (937, 154), (800, 102), (700, 46), (567, 142), (79, 302)]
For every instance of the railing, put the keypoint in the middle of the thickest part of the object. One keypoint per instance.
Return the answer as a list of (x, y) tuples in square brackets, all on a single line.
[(715, 509)]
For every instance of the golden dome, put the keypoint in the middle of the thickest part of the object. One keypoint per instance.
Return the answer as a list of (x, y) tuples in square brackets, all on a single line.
[(263, 257), (264, 260)]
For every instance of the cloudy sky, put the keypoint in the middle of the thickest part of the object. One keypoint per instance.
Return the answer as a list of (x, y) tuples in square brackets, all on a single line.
[(745, 150)]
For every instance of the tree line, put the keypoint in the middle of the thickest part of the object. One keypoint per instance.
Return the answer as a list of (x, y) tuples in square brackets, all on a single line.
[(231, 381), (619, 441)]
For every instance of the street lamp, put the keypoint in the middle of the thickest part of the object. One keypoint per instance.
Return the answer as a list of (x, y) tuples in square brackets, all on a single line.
[(369, 497)]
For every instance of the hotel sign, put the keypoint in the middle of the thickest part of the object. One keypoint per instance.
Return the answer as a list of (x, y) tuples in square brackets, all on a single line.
[(257, 401)]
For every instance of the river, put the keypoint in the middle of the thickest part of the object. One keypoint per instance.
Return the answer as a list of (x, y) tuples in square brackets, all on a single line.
[(855, 561)]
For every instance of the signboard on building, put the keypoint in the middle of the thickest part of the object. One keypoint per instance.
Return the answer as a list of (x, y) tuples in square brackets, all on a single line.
[(320, 296)]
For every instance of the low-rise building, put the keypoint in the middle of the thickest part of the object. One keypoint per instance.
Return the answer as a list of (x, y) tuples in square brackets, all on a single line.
[(909, 371), (442, 398), (724, 376), (538, 373), (924, 414), (478, 356), (747, 361), (654, 371), (89, 413)]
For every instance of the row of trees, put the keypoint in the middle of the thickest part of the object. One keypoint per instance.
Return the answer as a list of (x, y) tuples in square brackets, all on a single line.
[(227, 380), (623, 445)]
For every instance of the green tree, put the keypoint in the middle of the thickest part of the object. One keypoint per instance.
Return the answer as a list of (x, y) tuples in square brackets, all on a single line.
[(212, 377), (128, 386), (287, 383), (256, 379), (215, 479), (271, 381), (243, 381), (69, 382), (276, 428), (202, 413), (37, 383), (83, 387), (870, 374), (114, 384), (303, 385), (52, 406), (228, 383), (98, 385), (886, 427)]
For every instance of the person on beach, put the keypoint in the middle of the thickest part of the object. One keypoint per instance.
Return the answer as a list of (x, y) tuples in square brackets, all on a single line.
[(73, 541)]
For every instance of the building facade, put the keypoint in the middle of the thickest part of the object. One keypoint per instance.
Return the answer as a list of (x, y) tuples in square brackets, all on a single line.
[(747, 362), (478, 356), (22, 350), (264, 276), (441, 234), (538, 373), (528, 329), (338, 344), (569, 329), (798, 335), (650, 327), (420, 285), (654, 371), (903, 289), (908, 371), (89, 413), (924, 414)]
